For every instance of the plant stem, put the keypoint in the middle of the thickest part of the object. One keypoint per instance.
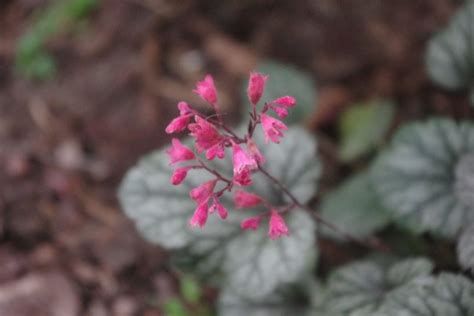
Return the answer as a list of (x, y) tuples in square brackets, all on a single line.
[(370, 243)]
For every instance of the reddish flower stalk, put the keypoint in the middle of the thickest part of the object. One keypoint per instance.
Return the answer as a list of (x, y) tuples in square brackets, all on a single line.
[(212, 137)]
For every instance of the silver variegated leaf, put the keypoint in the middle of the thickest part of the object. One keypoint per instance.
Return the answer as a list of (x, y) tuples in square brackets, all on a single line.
[(361, 287), (448, 294), (253, 264), (416, 179), (450, 53)]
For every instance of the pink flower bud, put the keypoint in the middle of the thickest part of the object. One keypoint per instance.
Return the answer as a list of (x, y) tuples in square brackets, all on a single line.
[(200, 216), (286, 101), (254, 151), (202, 193), (184, 108), (221, 210), (272, 128), (178, 152), (277, 226), (256, 87), (281, 112), (179, 175), (178, 124), (207, 90), (251, 223), (244, 199)]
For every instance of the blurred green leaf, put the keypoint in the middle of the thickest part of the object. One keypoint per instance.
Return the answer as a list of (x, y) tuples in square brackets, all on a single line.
[(287, 80), (355, 208), (190, 289), (31, 58), (174, 307), (363, 126)]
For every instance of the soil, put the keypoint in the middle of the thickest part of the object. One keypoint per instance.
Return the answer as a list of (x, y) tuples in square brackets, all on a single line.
[(66, 143)]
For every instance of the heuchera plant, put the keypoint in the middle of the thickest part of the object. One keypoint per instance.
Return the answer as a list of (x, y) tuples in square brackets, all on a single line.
[(212, 136)]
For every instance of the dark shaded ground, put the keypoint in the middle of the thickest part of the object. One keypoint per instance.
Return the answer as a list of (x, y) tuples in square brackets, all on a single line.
[(65, 247)]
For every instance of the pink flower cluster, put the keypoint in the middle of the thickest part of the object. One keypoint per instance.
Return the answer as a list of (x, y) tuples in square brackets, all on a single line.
[(212, 137)]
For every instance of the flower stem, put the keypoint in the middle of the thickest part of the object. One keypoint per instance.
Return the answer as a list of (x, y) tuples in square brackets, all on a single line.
[(370, 243)]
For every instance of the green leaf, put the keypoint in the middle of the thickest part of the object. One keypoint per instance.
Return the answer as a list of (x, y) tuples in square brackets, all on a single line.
[(447, 294), (466, 248), (362, 128), (361, 287), (254, 264), (415, 177), (174, 307), (31, 58), (287, 80), (355, 208), (190, 289), (450, 54)]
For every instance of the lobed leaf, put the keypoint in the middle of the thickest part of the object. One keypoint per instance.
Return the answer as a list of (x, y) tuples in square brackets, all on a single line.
[(465, 248), (447, 294), (360, 288), (415, 177)]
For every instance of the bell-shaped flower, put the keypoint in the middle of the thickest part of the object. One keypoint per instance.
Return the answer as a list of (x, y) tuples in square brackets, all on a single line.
[(244, 199), (251, 223), (207, 90), (178, 152), (243, 165), (272, 128), (199, 217), (203, 192), (205, 134), (217, 206), (286, 101), (277, 226)]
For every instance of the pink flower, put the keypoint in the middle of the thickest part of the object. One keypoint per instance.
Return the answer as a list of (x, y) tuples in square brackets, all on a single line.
[(178, 152), (244, 199), (243, 164), (207, 90), (272, 128), (243, 178), (254, 151), (205, 133), (277, 226), (256, 87), (184, 108), (216, 151), (178, 124), (286, 101), (281, 112), (251, 223), (221, 210), (179, 175), (200, 216), (202, 193)]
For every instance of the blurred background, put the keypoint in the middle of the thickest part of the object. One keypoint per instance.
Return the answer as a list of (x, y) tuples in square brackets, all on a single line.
[(88, 86)]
